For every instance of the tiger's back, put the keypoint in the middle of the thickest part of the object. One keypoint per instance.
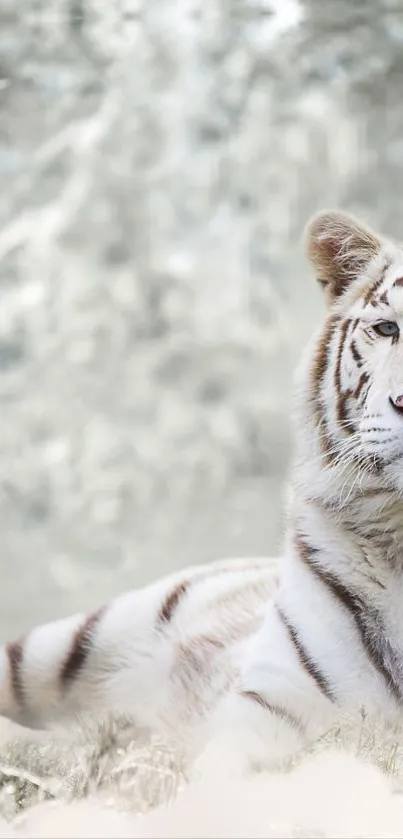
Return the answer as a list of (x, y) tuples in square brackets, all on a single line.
[(162, 654)]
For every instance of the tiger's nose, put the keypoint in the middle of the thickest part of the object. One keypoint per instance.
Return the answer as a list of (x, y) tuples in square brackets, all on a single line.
[(397, 402)]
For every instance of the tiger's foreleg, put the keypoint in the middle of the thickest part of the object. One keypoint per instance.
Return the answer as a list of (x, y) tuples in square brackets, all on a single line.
[(278, 706)]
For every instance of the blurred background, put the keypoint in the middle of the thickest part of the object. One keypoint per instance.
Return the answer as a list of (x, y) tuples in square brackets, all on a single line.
[(158, 162)]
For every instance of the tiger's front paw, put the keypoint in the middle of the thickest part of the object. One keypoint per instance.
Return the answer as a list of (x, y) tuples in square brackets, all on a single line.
[(246, 736)]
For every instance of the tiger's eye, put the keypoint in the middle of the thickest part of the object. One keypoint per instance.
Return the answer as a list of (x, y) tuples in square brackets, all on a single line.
[(387, 328)]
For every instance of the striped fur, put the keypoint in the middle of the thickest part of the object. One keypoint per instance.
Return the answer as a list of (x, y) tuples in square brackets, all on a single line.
[(82, 642), (224, 656), (174, 644)]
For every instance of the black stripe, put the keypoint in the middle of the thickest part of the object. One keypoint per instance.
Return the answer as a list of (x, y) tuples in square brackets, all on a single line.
[(171, 602), (362, 381), (369, 296), (15, 653), (307, 662), (356, 354), (80, 648), (342, 338), (318, 371), (342, 397), (355, 605), (308, 554), (275, 709)]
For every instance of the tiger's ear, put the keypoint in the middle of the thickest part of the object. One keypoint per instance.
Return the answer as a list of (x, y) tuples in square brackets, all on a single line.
[(340, 249)]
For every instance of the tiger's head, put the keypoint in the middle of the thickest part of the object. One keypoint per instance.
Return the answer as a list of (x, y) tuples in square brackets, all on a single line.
[(352, 384)]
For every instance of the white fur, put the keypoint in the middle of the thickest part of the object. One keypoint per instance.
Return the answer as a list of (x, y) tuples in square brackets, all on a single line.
[(223, 673)]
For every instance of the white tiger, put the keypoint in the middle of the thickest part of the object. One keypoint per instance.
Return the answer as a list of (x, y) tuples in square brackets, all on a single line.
[(224, 655)]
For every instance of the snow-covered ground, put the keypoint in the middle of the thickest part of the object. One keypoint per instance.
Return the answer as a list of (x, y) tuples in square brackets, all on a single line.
[(330, 793), (329, 796)]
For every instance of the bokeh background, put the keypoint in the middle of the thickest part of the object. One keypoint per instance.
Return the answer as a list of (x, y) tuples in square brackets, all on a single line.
[(158, 162)]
